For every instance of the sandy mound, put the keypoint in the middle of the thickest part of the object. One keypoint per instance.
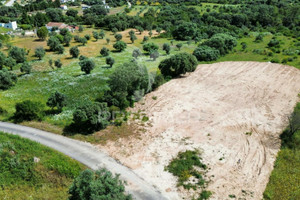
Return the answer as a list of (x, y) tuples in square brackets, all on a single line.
[(213, 109)]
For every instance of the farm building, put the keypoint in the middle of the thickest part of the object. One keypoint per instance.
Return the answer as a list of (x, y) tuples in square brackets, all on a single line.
[(11, 25)]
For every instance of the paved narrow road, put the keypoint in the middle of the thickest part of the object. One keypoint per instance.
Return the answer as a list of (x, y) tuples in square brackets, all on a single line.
[(88, 155)]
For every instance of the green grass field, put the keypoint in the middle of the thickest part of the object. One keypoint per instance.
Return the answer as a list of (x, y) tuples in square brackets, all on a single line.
[(22, 178), (285, 178)]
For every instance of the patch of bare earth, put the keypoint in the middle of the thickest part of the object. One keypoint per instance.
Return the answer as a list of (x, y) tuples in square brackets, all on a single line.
[(233, 111)]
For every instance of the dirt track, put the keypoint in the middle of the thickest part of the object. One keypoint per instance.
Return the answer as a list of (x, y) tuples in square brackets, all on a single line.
[(213, 109)]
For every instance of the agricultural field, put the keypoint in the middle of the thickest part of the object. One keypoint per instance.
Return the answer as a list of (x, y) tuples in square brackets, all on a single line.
[(38, 173)]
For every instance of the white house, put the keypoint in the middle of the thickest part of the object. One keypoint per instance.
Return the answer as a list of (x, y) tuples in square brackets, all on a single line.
[(65, 1), (64, 7), (11, 25)]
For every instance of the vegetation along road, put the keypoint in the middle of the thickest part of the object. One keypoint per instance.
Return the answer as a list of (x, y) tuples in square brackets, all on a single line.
[(88, 155)]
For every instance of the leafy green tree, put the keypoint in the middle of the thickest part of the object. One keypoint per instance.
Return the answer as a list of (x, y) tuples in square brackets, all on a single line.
[(107, 40), (166, 48), (60, 49), (179, 45), (26, 68), (10, 62), (131, 32), (87, 37), (39, 52), (178, 64), (127, 83), (58, 63), (136, 53), (150, 33), (64, 31), (83, 40), (96, 35), (259, 38), (7, 79), (80, 28), (87, 65), (100, 185), (114, 30), (185, 30), (133, 38), (118, 37), (102, 34), (28, 110), (2, 60), (91, 116), (274, 43), (222, 42), (120, 46), (57, 100), (53, 43), (158, 30), (110, 61), (42, 33), (72, 13), (205, 53), (154, 55), (18, 54), (148, 47), (74, 51), (145, 39), (67, 39), (140, 29), (104, 51)]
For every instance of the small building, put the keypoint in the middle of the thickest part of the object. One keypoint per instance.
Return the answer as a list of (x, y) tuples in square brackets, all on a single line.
[(84, 6), (64, 7), (60, 26), (11, 25), (66, 1)]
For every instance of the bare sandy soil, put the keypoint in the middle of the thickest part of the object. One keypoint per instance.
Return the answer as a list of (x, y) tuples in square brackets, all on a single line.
[(212, 109)]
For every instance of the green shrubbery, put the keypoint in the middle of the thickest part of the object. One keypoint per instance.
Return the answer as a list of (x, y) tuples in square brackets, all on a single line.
[(28, 110)]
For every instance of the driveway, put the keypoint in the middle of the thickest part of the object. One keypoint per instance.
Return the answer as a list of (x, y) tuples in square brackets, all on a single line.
[(88, 155)]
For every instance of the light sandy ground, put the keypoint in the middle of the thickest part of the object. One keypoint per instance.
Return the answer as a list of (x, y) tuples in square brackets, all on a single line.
[(212, 109)]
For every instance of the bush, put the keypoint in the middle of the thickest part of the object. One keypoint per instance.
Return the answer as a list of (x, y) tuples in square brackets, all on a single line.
[(110, 61), (118, 37), (28, 110), (91, 117), (178, 64), (149, 47), (26, 68), (87, 65), (7, 79), (222, 42), (58, 100), (18, 54), (40, 52), (99, 185), (205, 53), (120, 46), (104, 51), (74, 51), (58, 63)]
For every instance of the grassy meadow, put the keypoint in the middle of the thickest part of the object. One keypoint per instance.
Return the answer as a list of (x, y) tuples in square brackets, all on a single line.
[(22, 178)]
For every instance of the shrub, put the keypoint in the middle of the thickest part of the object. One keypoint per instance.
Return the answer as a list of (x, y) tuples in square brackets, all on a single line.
[(149, 47), (18, 54), (178, 64), (42, 33), (104, 51), (58, 63), (136, 53), (205, 53), (118, 37), (99, 185), (26, 68), (166, 48), (110, 61), (40, 52), (7, 79), (58, 100), (74, 51), (120, 46), (87, 65), (28, 110), (222, 42)]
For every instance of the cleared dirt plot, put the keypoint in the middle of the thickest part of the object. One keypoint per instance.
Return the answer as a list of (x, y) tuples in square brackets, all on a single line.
[(233, 112)]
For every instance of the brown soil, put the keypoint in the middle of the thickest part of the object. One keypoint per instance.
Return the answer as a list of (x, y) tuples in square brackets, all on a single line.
[(233, 111)]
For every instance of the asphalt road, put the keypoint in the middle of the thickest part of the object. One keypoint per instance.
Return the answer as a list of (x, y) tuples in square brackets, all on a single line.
[(88, 155)]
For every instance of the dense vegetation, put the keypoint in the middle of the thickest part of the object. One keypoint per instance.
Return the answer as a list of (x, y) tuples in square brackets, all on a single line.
[(287, 165), (30, 170)]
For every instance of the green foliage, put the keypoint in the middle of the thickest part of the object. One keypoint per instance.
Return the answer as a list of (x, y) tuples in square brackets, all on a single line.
[(222, 42), (18, 54), (118, 37), (104, 51), (205, 195), (7, 79), (22, 178), (145, 39), (91, 117), (53, 43), (58, 100), (88, 37), (102, 34), (26, 68), (259, 38), (58, 63), (274, 43), (178, 64), (166, 48), (80, 28), (60, 49), (179, 45), (87, 65), (42, 33), (74, 51), (183, 167), (110, 61), (205, 53), (136, 53), (154, 55), (28, 110), (39, 52), (83, 40), (149, 47), (185, 31), (120, 46), (101, 185), (128, 83), (133, 38), (95, 35)]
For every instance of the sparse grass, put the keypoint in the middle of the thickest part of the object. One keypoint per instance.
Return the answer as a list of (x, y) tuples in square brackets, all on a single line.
[(22, 178)]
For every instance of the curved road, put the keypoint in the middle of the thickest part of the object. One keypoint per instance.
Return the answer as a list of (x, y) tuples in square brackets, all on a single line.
[(89, 155)]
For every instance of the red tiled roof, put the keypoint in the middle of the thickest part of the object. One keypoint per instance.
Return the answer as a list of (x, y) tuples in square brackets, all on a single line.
[(56, 24)]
